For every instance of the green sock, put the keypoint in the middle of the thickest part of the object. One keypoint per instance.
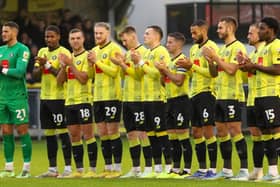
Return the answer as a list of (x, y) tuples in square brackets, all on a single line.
[(9, 147), (26, 147)]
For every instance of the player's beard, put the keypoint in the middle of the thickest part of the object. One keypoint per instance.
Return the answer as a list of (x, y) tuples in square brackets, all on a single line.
[(101, 42), (199, 40), (264, 36), (52, 46), (223, 36), (252, 43)]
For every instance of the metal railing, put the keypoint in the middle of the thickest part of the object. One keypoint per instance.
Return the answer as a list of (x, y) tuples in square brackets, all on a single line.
[(34, 113)]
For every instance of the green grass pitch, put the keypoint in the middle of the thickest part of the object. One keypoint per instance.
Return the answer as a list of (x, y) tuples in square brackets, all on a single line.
[(40, 164)]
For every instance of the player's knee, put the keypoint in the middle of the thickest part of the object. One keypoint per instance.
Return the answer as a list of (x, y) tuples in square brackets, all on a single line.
[(113, 129), (197, 132), (143, 135), (208, 132), (133, 135), (21, 129), (6, 131), (75, 138), (235, 131), (222, 133), (102, 131), (88, 135), (276, 130), (255, 131)]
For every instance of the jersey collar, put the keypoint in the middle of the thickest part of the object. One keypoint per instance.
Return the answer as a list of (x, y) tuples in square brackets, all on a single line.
[(202, 44), (105, 45), (138, 46), (176, 57), (80, 53), (53, 48), (270, 42), (231, 43), (155, 47)]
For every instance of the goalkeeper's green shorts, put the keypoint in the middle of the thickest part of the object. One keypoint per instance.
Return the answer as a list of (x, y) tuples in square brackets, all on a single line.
[(14, 112)]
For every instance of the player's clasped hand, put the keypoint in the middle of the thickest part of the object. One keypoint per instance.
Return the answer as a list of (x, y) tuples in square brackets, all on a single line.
[(208, 52), (64, 60), (184, 63), (135, 56), (41, 60), (91, 57), (240, 58), (118, 59)]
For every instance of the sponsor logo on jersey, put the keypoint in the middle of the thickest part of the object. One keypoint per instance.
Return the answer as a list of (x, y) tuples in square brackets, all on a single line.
[(260, 60), (98, 70), (196, 62), (167, 79), (5, 63), (128, 65), (70, 74)]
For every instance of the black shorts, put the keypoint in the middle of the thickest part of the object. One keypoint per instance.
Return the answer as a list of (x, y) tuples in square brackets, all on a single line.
[(203, 106), (78, 114), (251, 116), (227, 111), (52, 114), (178, 112), (155, 113), (107, 111), (267, 112), (133, 116)]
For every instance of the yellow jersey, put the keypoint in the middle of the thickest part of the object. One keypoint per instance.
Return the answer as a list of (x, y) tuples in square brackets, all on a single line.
[(230, 86), (172, 90), (133, 78), (49, 88), (252, 77), (153, 88), (107, 80), (201, 81), (78, 93), (266, 84)]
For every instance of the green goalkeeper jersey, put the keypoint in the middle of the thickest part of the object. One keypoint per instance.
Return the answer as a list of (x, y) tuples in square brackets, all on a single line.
[(14, 60)]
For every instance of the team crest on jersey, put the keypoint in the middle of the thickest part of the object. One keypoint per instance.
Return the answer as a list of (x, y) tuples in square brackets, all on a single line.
[(78, 62), (104, 56), (54, 57), (11, 54), (161, 57), (265, 52), (151, 57), (227, 53)]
